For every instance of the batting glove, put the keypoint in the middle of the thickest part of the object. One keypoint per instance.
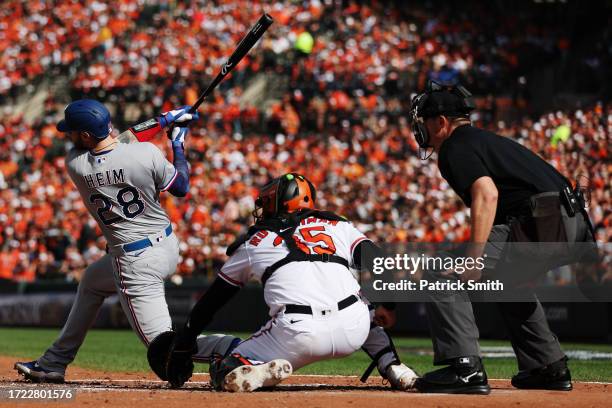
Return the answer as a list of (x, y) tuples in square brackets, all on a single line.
[(180, 115), (177, 135)]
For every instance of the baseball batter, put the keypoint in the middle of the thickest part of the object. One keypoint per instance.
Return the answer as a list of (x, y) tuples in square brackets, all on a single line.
[(120, 185), (303, 257)]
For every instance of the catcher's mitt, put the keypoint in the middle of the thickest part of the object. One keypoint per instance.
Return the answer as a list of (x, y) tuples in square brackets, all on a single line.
[(179, 364), (158, 353)]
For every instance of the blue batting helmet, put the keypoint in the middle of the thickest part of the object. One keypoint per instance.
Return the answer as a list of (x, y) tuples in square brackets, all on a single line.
[(86, 115)]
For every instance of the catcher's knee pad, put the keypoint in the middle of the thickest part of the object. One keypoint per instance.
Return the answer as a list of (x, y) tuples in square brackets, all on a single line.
[(222, 366)]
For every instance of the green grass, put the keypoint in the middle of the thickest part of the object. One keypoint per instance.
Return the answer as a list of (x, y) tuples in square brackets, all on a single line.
[(120, 350)]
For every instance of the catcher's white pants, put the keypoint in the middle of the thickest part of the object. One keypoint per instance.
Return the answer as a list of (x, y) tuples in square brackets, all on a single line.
[(302, 339), (138, 278)]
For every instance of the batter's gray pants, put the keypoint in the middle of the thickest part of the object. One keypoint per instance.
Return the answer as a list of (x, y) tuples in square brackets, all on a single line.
[(138, 277)]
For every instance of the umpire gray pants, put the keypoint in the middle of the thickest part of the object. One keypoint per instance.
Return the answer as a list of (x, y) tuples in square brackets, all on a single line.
[(138, 279), (455, 334)]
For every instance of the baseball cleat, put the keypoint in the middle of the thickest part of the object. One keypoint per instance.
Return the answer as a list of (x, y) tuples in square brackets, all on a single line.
[(555, 376), (401, 377), (35, 373), (248, 378), (465, 375)]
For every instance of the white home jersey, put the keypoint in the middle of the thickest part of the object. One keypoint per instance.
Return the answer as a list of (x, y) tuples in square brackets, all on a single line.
[(317, 284), (121, 187)]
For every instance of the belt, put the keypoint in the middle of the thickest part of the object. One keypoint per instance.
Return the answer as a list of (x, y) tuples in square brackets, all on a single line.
[(146, 242), (547, 203), (303, 309)]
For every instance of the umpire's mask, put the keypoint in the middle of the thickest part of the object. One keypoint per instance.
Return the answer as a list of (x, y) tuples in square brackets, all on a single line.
[(417, 121), (438, 99)]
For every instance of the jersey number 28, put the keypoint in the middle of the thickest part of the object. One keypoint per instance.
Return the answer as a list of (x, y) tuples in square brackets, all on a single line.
[(129, 200)]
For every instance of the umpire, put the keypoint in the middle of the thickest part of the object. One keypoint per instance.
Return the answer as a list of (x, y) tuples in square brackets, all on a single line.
[(506, 187)]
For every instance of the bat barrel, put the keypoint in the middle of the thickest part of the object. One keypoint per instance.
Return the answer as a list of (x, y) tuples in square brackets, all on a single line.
[(243, 47)]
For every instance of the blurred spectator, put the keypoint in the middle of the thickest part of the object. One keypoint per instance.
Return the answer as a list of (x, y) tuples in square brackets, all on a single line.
[(344, 71), (370, 174)]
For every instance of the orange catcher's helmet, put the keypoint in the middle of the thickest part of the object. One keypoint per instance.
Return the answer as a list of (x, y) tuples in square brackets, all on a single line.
[(283, 195)]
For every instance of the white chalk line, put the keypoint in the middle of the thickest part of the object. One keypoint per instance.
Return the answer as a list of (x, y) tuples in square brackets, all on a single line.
[(356, 376), (149, 381), (380, 393), (280, 388)]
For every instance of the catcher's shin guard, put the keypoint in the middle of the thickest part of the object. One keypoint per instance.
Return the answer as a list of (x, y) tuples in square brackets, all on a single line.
[(379, 345)]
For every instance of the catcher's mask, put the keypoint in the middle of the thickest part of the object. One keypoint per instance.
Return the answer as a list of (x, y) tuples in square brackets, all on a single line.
[(438, 99), (283, 195)]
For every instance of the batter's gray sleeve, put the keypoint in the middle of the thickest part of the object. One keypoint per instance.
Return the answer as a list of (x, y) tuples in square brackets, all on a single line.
[(164, 172)]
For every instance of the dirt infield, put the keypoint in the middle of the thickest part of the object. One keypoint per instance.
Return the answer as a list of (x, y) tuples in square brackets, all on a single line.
[(99, 388)]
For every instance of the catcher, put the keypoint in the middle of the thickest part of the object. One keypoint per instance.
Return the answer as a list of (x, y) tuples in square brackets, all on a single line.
[(303, 257)]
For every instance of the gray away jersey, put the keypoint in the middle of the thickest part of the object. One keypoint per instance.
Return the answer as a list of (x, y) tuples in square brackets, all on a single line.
[(121, 189)]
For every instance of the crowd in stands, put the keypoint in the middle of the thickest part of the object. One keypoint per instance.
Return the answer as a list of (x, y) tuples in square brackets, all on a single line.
[(40, 38), (341, 118), (373, 177), (135, 51)]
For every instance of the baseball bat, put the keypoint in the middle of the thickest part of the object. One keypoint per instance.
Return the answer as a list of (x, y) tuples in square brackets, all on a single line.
[(243, 47), (143, 132)]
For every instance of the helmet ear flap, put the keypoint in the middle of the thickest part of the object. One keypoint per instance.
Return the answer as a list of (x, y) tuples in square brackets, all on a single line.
[(313, 190), (312, 193)]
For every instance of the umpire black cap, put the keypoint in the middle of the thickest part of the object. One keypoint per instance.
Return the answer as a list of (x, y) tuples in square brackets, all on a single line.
[(445, 100)]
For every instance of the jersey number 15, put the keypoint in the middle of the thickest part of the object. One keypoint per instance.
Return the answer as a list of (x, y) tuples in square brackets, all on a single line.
[(129, 200), (307, 236)]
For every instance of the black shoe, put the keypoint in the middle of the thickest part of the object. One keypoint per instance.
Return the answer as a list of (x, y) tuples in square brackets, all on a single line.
[(465, 375), (555, 376)]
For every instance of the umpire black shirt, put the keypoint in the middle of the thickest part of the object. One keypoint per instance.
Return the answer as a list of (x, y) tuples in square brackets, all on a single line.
[(518, 173)]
